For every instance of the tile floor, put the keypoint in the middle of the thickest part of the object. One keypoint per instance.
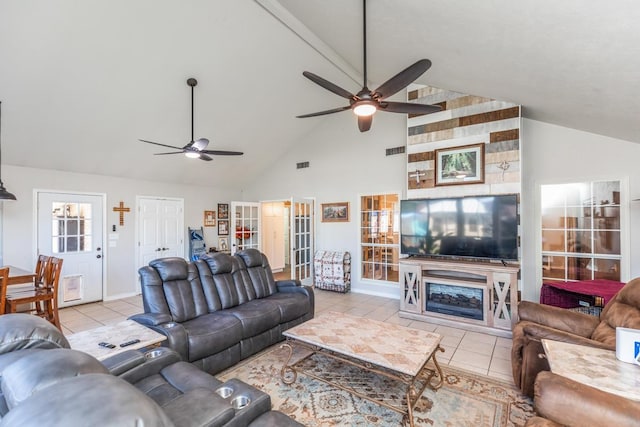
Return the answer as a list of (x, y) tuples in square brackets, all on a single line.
[(481, 353)]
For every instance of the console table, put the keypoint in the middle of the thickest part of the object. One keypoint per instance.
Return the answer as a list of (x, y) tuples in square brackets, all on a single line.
[(595, 367), (478, 296)]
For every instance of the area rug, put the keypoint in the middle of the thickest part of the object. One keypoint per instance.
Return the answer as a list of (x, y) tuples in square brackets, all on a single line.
[(465, 399)]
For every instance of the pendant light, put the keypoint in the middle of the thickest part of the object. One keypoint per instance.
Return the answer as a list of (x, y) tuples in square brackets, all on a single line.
[(4, 194)]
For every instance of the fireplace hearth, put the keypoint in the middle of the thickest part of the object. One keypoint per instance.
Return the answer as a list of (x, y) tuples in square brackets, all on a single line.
[(454, 300)]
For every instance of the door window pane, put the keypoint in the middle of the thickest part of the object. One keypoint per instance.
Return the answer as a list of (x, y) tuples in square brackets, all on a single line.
[(379, 229)]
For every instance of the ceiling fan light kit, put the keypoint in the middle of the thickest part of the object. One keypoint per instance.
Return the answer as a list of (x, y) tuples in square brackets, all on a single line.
[(195, 149), (366, 102)]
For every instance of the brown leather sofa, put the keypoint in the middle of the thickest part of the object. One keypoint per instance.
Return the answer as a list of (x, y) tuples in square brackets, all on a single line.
[(538, 321), (560, 401)]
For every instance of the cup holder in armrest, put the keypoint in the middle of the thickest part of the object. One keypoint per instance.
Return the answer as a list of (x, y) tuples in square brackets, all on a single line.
[(153, 354), (224, 392), (169, 325), (240, 402)]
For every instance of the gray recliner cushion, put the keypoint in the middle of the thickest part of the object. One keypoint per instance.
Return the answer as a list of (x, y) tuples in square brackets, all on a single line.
[(88, 400), (37, 371), (256, 316), (22, 331), (210, 334), (292, 305)]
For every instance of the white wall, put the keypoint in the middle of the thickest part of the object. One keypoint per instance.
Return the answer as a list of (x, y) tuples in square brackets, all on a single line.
[(344, 164), (18, 225), (554, 154)]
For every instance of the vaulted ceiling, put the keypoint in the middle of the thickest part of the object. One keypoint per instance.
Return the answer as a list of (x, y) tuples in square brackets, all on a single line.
[(81, 82)]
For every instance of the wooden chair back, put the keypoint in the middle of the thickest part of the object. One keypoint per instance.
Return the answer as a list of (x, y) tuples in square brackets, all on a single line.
[(4, 275), (41, 265)]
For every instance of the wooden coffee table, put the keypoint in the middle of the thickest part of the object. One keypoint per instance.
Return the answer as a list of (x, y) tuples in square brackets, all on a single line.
[(391, 350)]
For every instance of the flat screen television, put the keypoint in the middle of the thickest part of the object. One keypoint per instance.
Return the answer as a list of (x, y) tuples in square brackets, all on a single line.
[(484, 227)]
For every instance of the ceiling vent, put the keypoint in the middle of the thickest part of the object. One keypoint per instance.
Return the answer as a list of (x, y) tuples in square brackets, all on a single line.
[(396, 150), (302, 165)]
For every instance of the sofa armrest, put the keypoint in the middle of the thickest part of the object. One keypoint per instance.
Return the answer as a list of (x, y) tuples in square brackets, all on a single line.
[(570, 403), (174, 331), (122, 362), (287, 283), (154, 361), (558, 318), (199, 407), (539, 332)]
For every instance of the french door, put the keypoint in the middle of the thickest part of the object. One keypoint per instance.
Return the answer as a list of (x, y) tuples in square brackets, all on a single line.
[(301, 235), (70, 226), (244, 231)]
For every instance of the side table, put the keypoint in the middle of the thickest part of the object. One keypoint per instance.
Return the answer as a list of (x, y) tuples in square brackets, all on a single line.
[(116, 334), (595, 367)]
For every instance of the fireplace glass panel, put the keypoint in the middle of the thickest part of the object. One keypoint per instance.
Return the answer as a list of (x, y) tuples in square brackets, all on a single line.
[(454, 300)]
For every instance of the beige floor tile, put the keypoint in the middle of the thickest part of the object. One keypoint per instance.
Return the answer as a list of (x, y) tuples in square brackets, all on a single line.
[(504, 377), (449, 331), (500, 366), (449, 340), (79, 327), (479, 337), (424, 326), (476, 346), (504, 342), (130, 311), (446, 355), (106, 315), (396, 320), (88, 308), (378, 315), (503, 353), (465, 358), (467, 367)]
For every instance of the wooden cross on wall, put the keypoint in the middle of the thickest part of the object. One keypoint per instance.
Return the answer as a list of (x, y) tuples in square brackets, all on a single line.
[(121, 210)]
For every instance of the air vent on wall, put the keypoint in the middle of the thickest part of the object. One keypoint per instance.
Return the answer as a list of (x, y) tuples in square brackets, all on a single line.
[(302, 165), (396, 150)]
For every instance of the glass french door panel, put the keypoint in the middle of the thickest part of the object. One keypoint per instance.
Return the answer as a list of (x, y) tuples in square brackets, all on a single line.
[(579, 241), (605, 268), (554, 267), (553, 240), (606, 242), (579, 268)]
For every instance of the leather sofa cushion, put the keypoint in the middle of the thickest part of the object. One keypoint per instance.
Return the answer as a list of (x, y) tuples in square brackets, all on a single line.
[(211, 333), (83, 401), (22, 331), (291, 305), (172, 268), (20, 380), (256, 316), (622, 311)]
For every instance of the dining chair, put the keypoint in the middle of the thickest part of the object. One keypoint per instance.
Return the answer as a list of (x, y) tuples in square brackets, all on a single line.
[(46, 294), (4, 275)]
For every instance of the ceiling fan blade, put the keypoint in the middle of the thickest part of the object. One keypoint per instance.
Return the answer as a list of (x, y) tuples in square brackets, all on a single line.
[(328, 85), (200, 144), (222, 152), (364, 123), (173, 152), (322, 113), (409, 108), (402, 79), (162, 145), (205, 157)]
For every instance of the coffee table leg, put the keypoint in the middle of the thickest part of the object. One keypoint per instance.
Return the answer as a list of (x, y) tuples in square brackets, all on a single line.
[(435, 362), (410, 406), (286, 368)]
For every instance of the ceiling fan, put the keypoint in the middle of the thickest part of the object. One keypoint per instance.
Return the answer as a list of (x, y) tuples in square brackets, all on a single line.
[(195, 149), (366, 102)]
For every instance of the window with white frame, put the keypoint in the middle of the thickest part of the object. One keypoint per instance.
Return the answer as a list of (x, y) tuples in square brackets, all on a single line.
[(379, 236), (581, 231)]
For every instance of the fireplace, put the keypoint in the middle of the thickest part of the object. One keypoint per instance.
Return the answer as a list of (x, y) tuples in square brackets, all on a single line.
[(454, 300)]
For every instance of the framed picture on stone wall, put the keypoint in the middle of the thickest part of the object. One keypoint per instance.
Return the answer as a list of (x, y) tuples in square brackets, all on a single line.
[(460, 165)]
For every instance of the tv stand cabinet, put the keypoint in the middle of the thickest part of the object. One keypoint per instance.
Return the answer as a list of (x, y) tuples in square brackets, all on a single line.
[(477, 296)]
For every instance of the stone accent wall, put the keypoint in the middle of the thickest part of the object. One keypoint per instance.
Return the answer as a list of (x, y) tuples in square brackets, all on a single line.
[(464, 120)]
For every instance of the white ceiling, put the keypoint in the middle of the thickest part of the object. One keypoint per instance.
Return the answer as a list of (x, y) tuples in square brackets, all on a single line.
[(80, 82)]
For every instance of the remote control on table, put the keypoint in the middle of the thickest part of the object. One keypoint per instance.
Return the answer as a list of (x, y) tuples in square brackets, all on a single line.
[(106, 344), (128, 343)]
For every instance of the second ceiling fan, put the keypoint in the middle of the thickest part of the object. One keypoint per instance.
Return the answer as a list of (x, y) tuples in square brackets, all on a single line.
[(195, 149), (366, 102)]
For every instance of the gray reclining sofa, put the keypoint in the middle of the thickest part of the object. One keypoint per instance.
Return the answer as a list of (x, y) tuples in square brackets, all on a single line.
[(44, 383), (220, 309)]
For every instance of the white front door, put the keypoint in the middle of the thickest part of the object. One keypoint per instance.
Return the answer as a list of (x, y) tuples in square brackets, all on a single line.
[(70, 226), (301, 234), (244, 231), (160, 229)]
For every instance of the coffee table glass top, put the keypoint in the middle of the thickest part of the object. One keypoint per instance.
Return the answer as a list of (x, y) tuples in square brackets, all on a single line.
[(594, 367), (118, 333), (395, 347)]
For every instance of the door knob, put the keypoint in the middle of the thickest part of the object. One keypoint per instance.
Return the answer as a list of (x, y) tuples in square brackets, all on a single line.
[(98, 249), (98, 256), (165, 249), (158, 250)]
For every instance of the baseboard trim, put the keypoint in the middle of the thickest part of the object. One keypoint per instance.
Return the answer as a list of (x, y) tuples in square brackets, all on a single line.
[(120, 296)]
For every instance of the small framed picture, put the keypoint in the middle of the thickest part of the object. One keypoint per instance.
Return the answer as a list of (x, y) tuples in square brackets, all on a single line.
[(223, 211), (223, 227), (223, 244), (460, 165), (335, 212), (209, 218)]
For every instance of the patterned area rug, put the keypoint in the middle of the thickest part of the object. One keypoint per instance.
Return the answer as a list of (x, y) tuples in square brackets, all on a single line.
[(465, 399)]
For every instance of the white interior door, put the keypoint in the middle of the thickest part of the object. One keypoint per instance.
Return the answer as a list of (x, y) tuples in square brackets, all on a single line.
[(244, 231), (302, 244), (273, 233), (70, 226), (160, 229)]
